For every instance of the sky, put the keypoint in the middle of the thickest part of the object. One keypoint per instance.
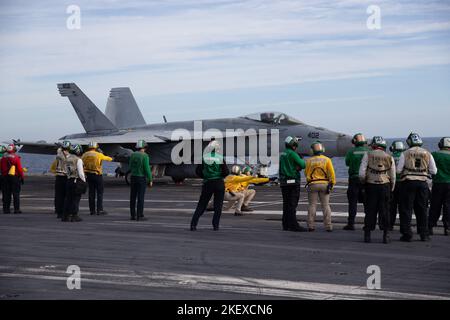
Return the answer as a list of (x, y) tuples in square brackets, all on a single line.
[(314, 60)]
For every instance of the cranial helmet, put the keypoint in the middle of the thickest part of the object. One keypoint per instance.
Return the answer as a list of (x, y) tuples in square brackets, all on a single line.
[(317, 148), (359, 139), (444, 143), (93, 145), (378, 141), (141, 144), (414, 140), (236, 170), (66, 145), (76, 149), (11, 148), (246, 170), (291, 142), (214, 145), (397, 146)]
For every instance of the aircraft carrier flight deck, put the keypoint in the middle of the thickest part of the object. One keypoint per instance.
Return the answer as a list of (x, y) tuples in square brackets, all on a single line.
[(250, 257)]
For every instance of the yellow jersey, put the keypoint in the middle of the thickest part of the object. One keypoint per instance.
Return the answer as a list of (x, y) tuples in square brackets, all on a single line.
[(254, 180), (233, 182), (319, 169), (92, 161)]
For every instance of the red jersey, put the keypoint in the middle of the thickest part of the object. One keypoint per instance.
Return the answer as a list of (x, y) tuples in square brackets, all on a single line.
[(9, 160)]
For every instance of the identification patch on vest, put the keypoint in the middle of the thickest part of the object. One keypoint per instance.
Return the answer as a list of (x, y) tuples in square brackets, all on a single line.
[(290, 181)]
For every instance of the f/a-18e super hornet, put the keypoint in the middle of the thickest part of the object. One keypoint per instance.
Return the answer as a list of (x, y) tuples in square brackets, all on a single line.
[(122, 125)]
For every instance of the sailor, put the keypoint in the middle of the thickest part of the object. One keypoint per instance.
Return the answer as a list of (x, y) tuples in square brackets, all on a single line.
[(12, 176), (415, 166), (234, 194), (377, 172), (291, 165), (141, 176), (320, 178), (75, 178), (396, 149), (212, 170), (2, 151), (92, 160), (249, 194), (440, 197), (355, 190), (58, 167)]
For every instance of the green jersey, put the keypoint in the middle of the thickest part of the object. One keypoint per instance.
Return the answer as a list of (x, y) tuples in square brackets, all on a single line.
[(442, 159), (396, 155), (212, 166), (140, 165), (290, 166), (353, 160)]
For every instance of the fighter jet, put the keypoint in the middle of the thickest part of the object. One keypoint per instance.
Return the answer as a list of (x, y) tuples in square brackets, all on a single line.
[(122, 125)]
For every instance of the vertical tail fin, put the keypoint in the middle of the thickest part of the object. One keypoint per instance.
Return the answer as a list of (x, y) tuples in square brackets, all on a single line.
[(90, 116), (122, 109)]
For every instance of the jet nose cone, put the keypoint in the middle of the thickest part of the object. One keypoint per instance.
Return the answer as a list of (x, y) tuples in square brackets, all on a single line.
[(344, 143)]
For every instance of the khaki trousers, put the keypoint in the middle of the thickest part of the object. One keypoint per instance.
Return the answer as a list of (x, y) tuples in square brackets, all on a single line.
[(249, 194), (316, 192), (237, 197)]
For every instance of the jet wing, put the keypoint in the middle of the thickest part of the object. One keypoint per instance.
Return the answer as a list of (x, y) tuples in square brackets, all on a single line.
[(151, 137), (40, 147)]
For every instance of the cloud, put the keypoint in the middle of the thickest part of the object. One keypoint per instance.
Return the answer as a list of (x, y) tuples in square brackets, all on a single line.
[(169, 47)]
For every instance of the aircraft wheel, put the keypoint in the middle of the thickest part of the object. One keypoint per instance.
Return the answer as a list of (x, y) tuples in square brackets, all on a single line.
[(178, 180), (127, 178)]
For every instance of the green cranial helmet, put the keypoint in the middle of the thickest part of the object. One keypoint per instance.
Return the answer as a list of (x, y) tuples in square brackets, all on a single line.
[(378, 142), (414, 140), (93, 145), (2, 149), (359, 140), (141, 144), (66, 145), (291, 142), (317, 148), (246, 170), (397, 146), (444, 143), (76, 149)]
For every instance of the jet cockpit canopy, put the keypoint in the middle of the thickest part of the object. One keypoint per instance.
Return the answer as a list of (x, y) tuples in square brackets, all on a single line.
[(272, 117)]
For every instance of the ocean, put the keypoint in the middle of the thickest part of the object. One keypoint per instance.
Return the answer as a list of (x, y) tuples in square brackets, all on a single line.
[(40, 164)]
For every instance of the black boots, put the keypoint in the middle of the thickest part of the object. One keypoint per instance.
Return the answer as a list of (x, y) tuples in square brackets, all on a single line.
[(366, 236), (406, 238), (349, 227), (386, 238)]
